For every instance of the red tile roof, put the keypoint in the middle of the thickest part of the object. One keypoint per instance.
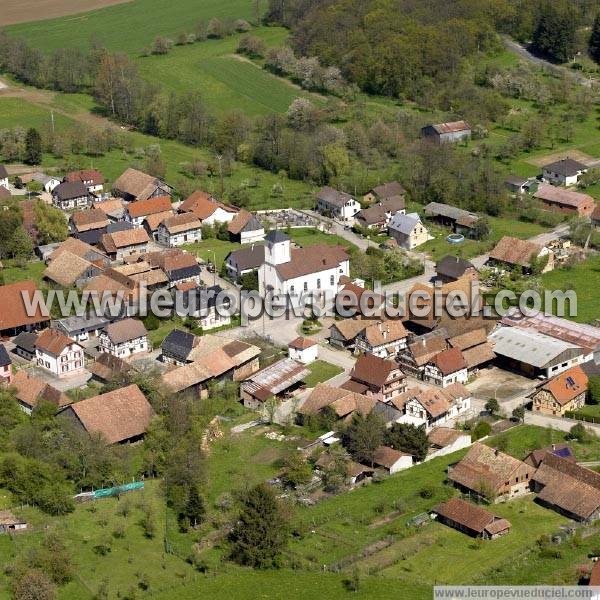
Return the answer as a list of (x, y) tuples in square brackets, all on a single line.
[(12, 311), (53, 342), (143, 208), (568, 385), (449, 361), (302, 343)]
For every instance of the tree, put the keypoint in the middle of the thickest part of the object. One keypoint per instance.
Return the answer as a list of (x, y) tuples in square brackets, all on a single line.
[(492, 406), (363, 436), (33, 147), (298, 471), (594, 390), (481, 229), (20, 244), (50, 224), (481, 430), (580, 433), (594, 44), (519, 413), (555, 33), (261, 531), (194, 508), (34, 585), (408, 438)]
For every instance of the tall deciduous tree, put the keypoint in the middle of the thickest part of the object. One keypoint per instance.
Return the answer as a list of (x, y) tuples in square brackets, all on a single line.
[(260, 534), (33, 147), (363, 436)]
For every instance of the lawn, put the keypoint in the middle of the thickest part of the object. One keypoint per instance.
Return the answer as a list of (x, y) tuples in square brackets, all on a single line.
[(226, 80), (307, 236), (32, 270), (132, 26), (583, 279), (500, 226), (321, 371), (590, 410)]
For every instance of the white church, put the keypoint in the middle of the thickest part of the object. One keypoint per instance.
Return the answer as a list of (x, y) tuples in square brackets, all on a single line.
[(297, 271)]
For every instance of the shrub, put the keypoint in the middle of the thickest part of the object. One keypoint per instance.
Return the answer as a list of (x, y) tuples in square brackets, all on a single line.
[(480, 430)]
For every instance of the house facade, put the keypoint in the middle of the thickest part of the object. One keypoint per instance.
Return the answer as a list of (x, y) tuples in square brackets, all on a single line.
[(124, 338), (180, 229), (382, 339), (136, 212), (338, 205), (564, 172), (59, 354), (91, 178), (71, 195), (565, 392), (446, 368), (440, 133), (408, 230), (304, 350), (374, 376)]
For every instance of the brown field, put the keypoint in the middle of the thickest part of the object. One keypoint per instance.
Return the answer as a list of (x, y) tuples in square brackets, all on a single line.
[(574, 154), (21, 11)]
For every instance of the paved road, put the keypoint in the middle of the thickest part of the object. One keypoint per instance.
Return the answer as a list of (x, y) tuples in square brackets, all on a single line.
[(523, 53), (561, 424)]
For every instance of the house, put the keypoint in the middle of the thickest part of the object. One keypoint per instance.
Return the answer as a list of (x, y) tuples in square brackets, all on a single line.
[(343, 333), (245, 260), (420, 350), (339, 403), (210, 306), (179, 266), (446, 367), (568, 488), (121, 416), (68, 196), (142, 272), (245, 228), (374, 376), (69, 270), (489, 473), (383, 339), (387, 191), (14, 317), (392, 460), (80, 249), (113, 208), (565, 392), (5, 366), (3, 177), (470, 519), (475, 348), (136, 185), (138, 211), (565, 171), (336, 204), (461, 221), (453, 268), (152, 223), (521, 185), (595, 216), (177, 347), (355, 471), (207, 209), (80, 328), (433, 407), (180, 229), (380, 214), (120, 244), (303, 350), (11, 524), (581, 334), (24, 344), (535, 457), (439, 133), (510, 253), (292, 273), (278, 380), (107, 368), (564, 201), (86, 220), (213, 359), (408, 230), (91, 178), (534, 354), (124, 338), (47, 182), (354, 299), (31, 391), (444, 440), (59, 354)]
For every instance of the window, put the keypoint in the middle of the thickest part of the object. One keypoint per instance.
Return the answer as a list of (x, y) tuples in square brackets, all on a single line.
[(306, 286), (332, 280), (318, 284), (291, 289)]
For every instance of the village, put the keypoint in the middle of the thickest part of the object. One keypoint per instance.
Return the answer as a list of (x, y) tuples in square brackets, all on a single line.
[(361, 398)]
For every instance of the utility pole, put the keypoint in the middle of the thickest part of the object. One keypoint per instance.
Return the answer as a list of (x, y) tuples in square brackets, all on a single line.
[(220, 159)]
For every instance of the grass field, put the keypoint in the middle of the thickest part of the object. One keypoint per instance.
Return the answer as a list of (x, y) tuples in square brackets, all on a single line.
[(226, 81), (321, 371), (131, 26), (583, 279)]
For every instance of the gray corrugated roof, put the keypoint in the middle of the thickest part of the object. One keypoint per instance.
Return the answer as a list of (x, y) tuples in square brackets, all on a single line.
[(530, 347), (452, 212)]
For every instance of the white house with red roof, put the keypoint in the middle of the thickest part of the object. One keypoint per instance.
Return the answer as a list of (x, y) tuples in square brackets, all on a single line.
[(303, 350), (296, 273), (59, 354)]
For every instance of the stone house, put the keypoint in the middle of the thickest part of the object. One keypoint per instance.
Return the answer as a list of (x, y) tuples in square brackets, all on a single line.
[(565, 392)]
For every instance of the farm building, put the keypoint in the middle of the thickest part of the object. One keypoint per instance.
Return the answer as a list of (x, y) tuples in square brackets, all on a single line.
[(521, 185), (140, 210), (512, 252), (9, 523), (136, 185), (454, 131), (471, 519), (343, 334), (107, 367), (444, 440), (564, 201), (339, 403), (534, 354), (387, 191), (489, 473), (245, 228), (392, 460), (453, 268), (382, 339), (32, 390), (461, 221), (275, 381)]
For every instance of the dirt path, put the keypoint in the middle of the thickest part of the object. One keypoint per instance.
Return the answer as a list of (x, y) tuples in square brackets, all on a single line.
[(523, 53)]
